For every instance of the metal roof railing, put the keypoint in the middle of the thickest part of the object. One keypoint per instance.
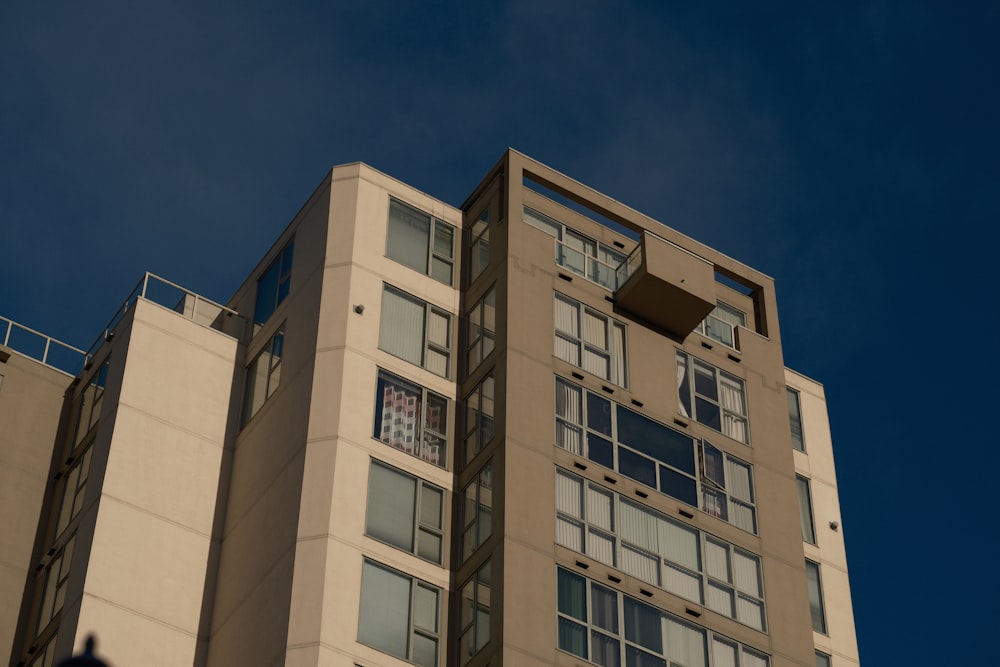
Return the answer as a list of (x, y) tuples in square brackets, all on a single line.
[(35, 345), (173, 297)]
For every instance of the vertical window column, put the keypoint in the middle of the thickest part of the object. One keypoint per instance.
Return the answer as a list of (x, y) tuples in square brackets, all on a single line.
[(815, 588), (795, 419), (805, 510)]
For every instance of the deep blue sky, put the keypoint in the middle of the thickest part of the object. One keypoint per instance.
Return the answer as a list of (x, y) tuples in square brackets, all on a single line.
[(848, 149)]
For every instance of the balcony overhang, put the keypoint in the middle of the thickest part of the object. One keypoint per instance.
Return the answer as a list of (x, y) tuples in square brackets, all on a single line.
[(666, 285)]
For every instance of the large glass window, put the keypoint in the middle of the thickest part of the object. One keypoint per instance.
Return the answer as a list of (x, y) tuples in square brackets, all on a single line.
[(263, 375), (482, 329), (712, 397), (822, 659), (479, 413), (411, 418), (611, 629), (71, 489), (658, 456), (650, 546), (405, 511), (720, 325), (91, 400), (589, 339), (399, 615), (477, 510), (795, 419), (53, 581), (423, 243), (273, 286), (474, 622), (479, 247), (595, 261), (815, 597), (416, 331), (805, 510)]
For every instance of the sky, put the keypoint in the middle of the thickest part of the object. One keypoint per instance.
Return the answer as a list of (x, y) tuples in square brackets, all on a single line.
[(849, 150)]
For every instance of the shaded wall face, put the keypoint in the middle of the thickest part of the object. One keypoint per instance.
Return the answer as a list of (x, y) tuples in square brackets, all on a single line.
[(529, 273), (814, 465), (31, 401)]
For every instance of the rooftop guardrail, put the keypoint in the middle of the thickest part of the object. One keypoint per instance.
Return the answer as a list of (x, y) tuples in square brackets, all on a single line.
[(46, 349), (178, 299)]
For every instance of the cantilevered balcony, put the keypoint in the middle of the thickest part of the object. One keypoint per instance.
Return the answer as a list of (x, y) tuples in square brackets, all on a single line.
[(666, 285)]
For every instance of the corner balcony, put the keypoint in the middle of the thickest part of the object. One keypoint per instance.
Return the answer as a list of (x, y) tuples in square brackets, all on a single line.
[(666, 285)]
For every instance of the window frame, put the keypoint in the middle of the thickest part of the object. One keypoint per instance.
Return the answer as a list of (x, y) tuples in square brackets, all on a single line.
[(432, 253), (806, 516), (479, 243), (654, 649), (596, 267), (88, 414), (275, 349), (423, 428), (609, 353), (417, 524), (687, 386), (609, 529), (705, 330), (280, 269), (479, 614), (412, 628), (480, 422), (587, 434), (427, 344), (477, 511), (823, 659), (480, 334), (817, 606), (794, 397)]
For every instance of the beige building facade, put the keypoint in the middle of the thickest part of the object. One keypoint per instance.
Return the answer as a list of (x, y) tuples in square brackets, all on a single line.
[(539, 428)]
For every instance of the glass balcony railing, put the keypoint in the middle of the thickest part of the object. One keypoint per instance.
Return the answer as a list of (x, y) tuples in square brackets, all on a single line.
[(35, 345), (586, 265), (631, 264)]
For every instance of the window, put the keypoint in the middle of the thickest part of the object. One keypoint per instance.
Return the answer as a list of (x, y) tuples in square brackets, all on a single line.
[(416, 331), (611, 629), (815, 597), (727, 487), (663, 552), (822, 660), (712, 397), (399, 614), (611, 435), (263, 375), (273, 285), (411, 418), (474, 623), (479, 411), (71, 489), (91, 399), (590, 340), (720, 325), (423, 243), (53, 585), (482, 329), (404, 511), (805, 510), (479, 246), (795, 419), (477, 510), (595, 261)]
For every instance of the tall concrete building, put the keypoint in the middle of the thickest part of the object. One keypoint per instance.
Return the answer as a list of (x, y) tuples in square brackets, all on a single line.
[(536, 429)]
